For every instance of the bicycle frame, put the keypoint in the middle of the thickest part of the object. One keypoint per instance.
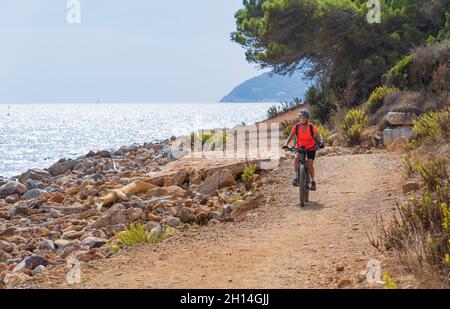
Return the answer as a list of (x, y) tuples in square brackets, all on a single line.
[(303, 183), (303, 162)]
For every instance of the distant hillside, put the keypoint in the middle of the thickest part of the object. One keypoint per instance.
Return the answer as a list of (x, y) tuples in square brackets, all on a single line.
[(265, 88)]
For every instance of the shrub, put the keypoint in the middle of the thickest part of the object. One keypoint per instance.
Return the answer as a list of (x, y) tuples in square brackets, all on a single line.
[(377, 97), (235, 198), (353, 124), (389, 283), (215, 140), (286, 127), (248, 176), (433, 174), (136, 234), (321, 103), (431, 127), (272, 112), (420, 233), (408, 165), (398, 75), (323, 131), (201, 136), (219, 141), (417, 70), (441, 82), (283, 107)]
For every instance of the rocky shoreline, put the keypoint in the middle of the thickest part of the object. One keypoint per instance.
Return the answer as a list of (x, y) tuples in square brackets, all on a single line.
[(74, 208)]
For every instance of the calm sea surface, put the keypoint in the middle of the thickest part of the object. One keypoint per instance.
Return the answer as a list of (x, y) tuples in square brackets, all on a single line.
[(37, 135)]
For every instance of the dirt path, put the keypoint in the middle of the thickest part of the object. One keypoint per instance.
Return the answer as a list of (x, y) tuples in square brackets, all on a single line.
[(276, 246)]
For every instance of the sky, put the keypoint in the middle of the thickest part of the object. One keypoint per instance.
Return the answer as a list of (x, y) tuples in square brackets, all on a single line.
[(121, 51)]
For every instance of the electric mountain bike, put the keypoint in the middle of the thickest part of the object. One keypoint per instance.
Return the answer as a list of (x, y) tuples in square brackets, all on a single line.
[(303, 178)]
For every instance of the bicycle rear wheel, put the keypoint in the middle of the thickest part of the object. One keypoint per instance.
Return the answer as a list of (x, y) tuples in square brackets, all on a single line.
[(301, 181)]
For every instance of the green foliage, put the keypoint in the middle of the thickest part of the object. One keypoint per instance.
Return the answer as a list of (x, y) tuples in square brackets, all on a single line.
[(399, 74), (418, 70), (321, 103), (353, 125), (421, 232), (332, 40), (215, 140), (286, 127), (389, 283), (431, 127), (323, 131), (188, 227), (444, 33), (136, 234), (248, 176), (433, 174), (377, 97), (409, 167), (283, 107), (235, 198)]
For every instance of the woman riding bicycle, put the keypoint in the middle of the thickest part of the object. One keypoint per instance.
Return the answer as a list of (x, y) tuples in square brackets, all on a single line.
[(306, 135)]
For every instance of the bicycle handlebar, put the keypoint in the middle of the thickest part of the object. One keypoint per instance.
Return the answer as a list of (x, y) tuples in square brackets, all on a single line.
[(293, 149)]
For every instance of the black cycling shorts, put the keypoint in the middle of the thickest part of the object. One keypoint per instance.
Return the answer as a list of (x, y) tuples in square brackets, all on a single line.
[(310, 155)]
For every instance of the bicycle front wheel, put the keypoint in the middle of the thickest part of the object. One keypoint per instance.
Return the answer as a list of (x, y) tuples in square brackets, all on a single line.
[(302, 186)]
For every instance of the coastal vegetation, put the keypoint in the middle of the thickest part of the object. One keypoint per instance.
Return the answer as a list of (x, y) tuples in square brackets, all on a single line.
[(363, 71)]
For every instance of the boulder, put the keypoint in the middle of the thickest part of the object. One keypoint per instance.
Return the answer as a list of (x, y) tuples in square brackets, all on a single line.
[(184, 213), (93, 242), (195, 178), (91, 255), (396, 118), (100, 223), (33, 174), (13, 281), (46, 244), (6, 246), (134, 214), (173, 191), (102, 153), (180, 177), (31, 263), (38, 270), (61, 243), (410, 186), (58, 198), (67, 210), (12, 199), (12, 187), (61, 167), (173, 221), (392, 134), (34, 261), (4, 256), (116, 215), (10, 231), (150, 225), (31, 194), (241, 207), (220, 179), (399, 146)]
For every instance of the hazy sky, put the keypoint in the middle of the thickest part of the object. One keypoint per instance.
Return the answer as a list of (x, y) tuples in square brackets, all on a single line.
[(134, 50)]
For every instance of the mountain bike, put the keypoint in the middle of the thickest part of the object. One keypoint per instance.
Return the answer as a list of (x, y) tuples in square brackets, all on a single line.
[(303, 178)]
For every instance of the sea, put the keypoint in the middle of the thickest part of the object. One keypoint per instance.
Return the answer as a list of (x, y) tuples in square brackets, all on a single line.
[(38, 135)]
